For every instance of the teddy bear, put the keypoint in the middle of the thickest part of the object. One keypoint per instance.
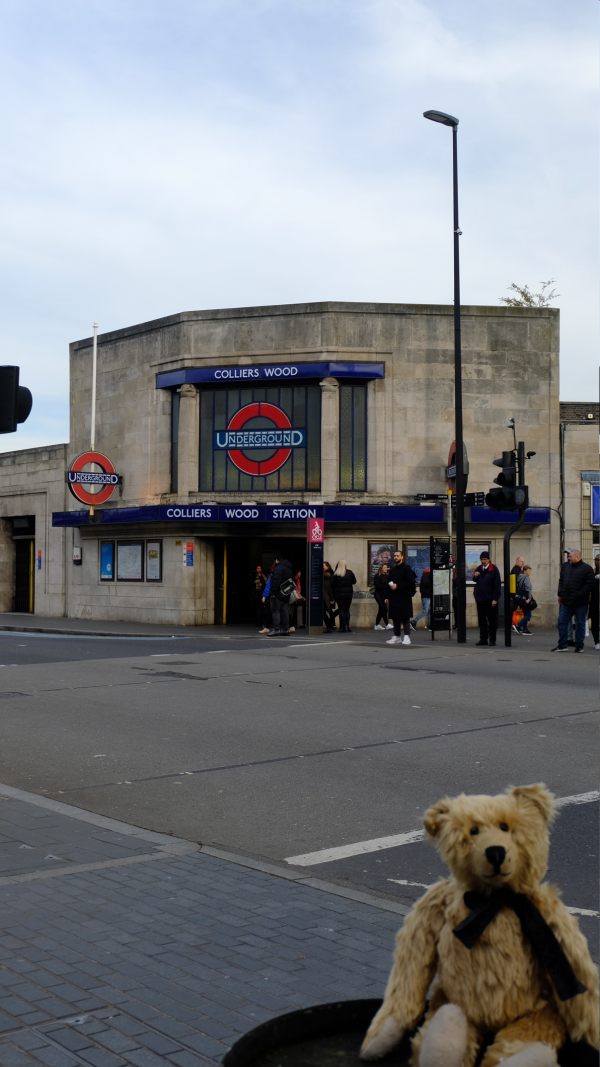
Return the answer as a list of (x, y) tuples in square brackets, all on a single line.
[(489, 963)]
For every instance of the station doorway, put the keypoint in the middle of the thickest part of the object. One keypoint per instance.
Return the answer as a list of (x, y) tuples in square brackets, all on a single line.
[(235, 564), (23, 534)]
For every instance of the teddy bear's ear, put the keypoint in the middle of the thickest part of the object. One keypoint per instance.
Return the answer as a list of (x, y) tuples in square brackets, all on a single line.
[(435, 817), (537, 795)]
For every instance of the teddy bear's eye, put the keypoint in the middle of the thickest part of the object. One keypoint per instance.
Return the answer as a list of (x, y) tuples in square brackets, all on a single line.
[(474, 830), (504, 826)]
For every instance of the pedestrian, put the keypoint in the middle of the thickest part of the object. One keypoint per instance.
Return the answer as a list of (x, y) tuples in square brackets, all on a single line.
[(402, 586), (266, 599), (259, 581), (575, 585), (382, 591), (341, 585), (280, 603), (516, 569), (296, 607), (426, 591), (487, 586), (328, 599), (594, 602), (525, 600)]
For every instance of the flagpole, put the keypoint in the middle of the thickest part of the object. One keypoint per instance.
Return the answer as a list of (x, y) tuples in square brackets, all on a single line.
[(93, 415), (94, 365)]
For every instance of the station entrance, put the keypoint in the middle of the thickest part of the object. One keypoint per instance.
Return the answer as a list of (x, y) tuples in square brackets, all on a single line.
[(236, 559), (23, 535)]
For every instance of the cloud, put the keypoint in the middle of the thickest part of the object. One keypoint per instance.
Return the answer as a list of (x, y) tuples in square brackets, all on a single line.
[(218, 154)]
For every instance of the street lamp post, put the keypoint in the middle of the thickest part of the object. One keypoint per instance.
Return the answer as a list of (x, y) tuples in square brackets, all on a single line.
[(461, 591)]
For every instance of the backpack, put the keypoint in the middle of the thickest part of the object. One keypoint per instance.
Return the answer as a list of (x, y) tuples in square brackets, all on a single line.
[(286, 589)]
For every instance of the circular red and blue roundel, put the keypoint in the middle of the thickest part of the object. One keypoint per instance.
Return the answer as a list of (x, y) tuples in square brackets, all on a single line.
[(79, 478), (237, 422)]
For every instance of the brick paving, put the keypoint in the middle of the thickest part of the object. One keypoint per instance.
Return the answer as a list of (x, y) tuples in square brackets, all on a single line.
[(120, 946)]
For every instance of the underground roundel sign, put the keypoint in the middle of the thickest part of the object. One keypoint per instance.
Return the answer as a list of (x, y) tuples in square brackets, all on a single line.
[(92, 486), (259, 439)]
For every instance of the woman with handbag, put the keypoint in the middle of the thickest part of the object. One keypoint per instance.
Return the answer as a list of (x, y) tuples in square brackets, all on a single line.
[(341, 586), (525, 600)]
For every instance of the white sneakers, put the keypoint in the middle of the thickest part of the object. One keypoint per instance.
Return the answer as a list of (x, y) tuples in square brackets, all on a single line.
[(399, 640), (390, 626), (406, 640), (379, 627)]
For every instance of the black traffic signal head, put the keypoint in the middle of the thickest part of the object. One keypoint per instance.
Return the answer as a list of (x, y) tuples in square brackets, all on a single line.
[(15, 400), (508, 476), (510, 496)]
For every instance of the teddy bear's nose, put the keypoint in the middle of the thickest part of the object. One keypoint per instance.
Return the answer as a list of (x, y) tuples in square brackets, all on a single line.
[(496, 855)]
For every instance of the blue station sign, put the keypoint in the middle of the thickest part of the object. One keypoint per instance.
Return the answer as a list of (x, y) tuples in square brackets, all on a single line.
[(275, 373), (331, 513)]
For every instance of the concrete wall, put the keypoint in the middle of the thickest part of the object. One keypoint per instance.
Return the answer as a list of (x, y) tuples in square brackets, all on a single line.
[(32, 482), (510, 368)]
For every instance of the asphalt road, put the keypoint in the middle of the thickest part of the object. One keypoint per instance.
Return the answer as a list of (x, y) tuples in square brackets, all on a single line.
[(280, 748)]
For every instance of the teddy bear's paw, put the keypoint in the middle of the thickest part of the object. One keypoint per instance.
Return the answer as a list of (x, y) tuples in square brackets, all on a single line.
[(445, 1038), (537, 1055), (384, 1038)]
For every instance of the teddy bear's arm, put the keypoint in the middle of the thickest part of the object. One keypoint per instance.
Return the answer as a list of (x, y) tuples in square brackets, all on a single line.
[(415, 959), (580, 1013)]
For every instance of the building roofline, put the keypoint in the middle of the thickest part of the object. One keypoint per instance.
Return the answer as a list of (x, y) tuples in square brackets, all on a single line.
[(325, 307)]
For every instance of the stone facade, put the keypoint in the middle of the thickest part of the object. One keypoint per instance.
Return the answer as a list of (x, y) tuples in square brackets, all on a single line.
[(32, 486), (510, 360)]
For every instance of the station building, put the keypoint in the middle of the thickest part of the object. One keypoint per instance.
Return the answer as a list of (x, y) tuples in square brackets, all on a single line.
[(220, 433)]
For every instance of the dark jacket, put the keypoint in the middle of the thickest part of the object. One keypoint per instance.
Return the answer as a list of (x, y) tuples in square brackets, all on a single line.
[(381, 587), (426, 583), (595, 597), (400, 598), (487, 583), (341, 586), (575, 584), (328, 597), (282, 571)]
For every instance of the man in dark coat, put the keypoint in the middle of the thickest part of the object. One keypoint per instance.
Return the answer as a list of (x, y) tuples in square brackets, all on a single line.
[(487, 595), (402, 585), (574, 589), (280, 612)]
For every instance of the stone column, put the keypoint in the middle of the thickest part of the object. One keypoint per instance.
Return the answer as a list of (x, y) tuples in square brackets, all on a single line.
[(188, 441), (330, 438)]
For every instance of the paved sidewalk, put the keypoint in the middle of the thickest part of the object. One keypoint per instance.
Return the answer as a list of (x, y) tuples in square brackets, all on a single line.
[(121, 946), (26, 623)]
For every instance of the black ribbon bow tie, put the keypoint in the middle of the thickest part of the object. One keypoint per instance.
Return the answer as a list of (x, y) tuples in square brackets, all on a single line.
[(543, 941)]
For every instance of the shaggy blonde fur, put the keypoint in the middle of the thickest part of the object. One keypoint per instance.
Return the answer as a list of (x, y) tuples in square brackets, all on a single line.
[(498, 984)]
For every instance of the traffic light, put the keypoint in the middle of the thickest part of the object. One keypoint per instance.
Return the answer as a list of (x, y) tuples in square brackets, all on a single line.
[(15, 400), (510, 496)]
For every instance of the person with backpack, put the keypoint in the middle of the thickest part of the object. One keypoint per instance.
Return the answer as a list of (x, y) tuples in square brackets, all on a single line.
[(525, 600), (280, 597)]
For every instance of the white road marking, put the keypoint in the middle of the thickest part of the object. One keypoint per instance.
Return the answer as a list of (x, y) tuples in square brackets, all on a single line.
[(427, 885), (328, 855), (376, 844), (403, 881), (579, 798)]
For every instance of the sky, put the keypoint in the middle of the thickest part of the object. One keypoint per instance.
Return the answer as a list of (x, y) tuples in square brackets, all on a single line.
[(166, 157)]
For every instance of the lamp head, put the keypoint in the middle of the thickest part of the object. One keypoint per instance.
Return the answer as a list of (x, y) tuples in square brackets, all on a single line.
[(441, 116)]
